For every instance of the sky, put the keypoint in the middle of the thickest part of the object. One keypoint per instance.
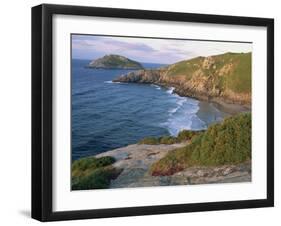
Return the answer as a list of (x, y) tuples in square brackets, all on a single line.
[(147, 50)]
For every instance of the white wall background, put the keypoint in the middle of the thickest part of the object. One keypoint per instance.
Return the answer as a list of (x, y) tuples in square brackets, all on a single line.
[(15, 113)]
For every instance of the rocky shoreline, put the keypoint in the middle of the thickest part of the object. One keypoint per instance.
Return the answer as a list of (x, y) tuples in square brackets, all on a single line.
[(224, 104), (220, 103), (135, 160)]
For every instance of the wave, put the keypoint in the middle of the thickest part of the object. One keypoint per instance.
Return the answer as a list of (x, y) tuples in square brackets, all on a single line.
[(183, 116), (110, 82), (179, 103), (170, 90)]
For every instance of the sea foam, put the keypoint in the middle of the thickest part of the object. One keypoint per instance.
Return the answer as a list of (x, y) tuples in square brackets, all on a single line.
[(170, 90), (183, 115), (110, 82)]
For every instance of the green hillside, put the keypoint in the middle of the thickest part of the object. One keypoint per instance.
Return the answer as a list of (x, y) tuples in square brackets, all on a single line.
[(220, 78), (228, 71), (228, 142)]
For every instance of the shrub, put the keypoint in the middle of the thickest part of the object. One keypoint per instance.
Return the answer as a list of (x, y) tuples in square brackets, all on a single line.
[(149, 140), (98, 179), (167, 140), (185, 135), (182, 136), (228, 142), (93, 173), (83, 166)]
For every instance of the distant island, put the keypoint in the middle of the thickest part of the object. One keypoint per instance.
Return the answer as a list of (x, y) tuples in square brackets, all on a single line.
[(224, 78), (114, 62)]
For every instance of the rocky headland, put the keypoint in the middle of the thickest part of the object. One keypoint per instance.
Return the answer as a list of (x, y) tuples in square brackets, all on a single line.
[(224, 79)]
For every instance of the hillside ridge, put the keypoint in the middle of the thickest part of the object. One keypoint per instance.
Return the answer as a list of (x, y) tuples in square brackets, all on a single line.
[(219, 78)]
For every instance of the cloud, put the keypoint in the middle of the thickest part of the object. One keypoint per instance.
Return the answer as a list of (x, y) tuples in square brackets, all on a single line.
[(150, 50), (103, 44)]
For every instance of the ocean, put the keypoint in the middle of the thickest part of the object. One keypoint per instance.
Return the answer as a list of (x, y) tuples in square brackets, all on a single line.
[(107, 115)]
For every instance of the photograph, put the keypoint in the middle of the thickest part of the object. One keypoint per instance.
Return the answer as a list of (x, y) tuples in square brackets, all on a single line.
[(149, 111), (140, 112)]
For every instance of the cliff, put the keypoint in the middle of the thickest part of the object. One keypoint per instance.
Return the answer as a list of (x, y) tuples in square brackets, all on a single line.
[(221, 78), (114, 62)]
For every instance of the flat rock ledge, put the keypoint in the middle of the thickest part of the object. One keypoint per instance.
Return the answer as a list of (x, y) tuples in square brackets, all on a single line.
[(135, 161)]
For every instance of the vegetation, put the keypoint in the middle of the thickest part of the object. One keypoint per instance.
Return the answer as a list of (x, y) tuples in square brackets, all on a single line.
[(93, 173), (182, 136), (228, 142), (185, 67), (227, 71), (240, 79), (225, 77)]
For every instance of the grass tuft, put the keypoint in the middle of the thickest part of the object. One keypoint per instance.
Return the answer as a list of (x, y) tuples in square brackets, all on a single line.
[(93, 173)]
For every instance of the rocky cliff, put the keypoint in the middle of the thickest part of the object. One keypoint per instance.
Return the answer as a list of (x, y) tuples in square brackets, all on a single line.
[(221, 78)]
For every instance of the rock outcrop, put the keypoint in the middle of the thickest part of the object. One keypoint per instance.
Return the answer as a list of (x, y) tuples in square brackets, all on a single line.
[(135, 161)]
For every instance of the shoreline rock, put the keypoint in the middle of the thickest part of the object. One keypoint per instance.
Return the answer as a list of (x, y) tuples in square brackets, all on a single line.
[(223, 103), (135, 161)]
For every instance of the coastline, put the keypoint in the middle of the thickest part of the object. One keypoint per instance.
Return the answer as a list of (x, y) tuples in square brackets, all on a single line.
[(220, 103), (225, 108), (227, 101), (221, 110)]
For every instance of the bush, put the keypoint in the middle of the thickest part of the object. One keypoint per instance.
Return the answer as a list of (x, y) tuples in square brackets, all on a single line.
[(84, 166), (228, 142), (92, 173), (98, 179), (183, 135), (167, 140), (149, 140)]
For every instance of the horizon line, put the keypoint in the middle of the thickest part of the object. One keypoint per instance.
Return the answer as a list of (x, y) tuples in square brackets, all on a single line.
[(159, 62)]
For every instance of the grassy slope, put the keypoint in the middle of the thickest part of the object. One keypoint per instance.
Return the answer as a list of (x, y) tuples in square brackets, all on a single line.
[(228, 142), (92, 173), (238, 79)]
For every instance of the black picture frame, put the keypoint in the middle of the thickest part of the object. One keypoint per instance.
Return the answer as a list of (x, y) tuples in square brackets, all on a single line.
[(42, 111)]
